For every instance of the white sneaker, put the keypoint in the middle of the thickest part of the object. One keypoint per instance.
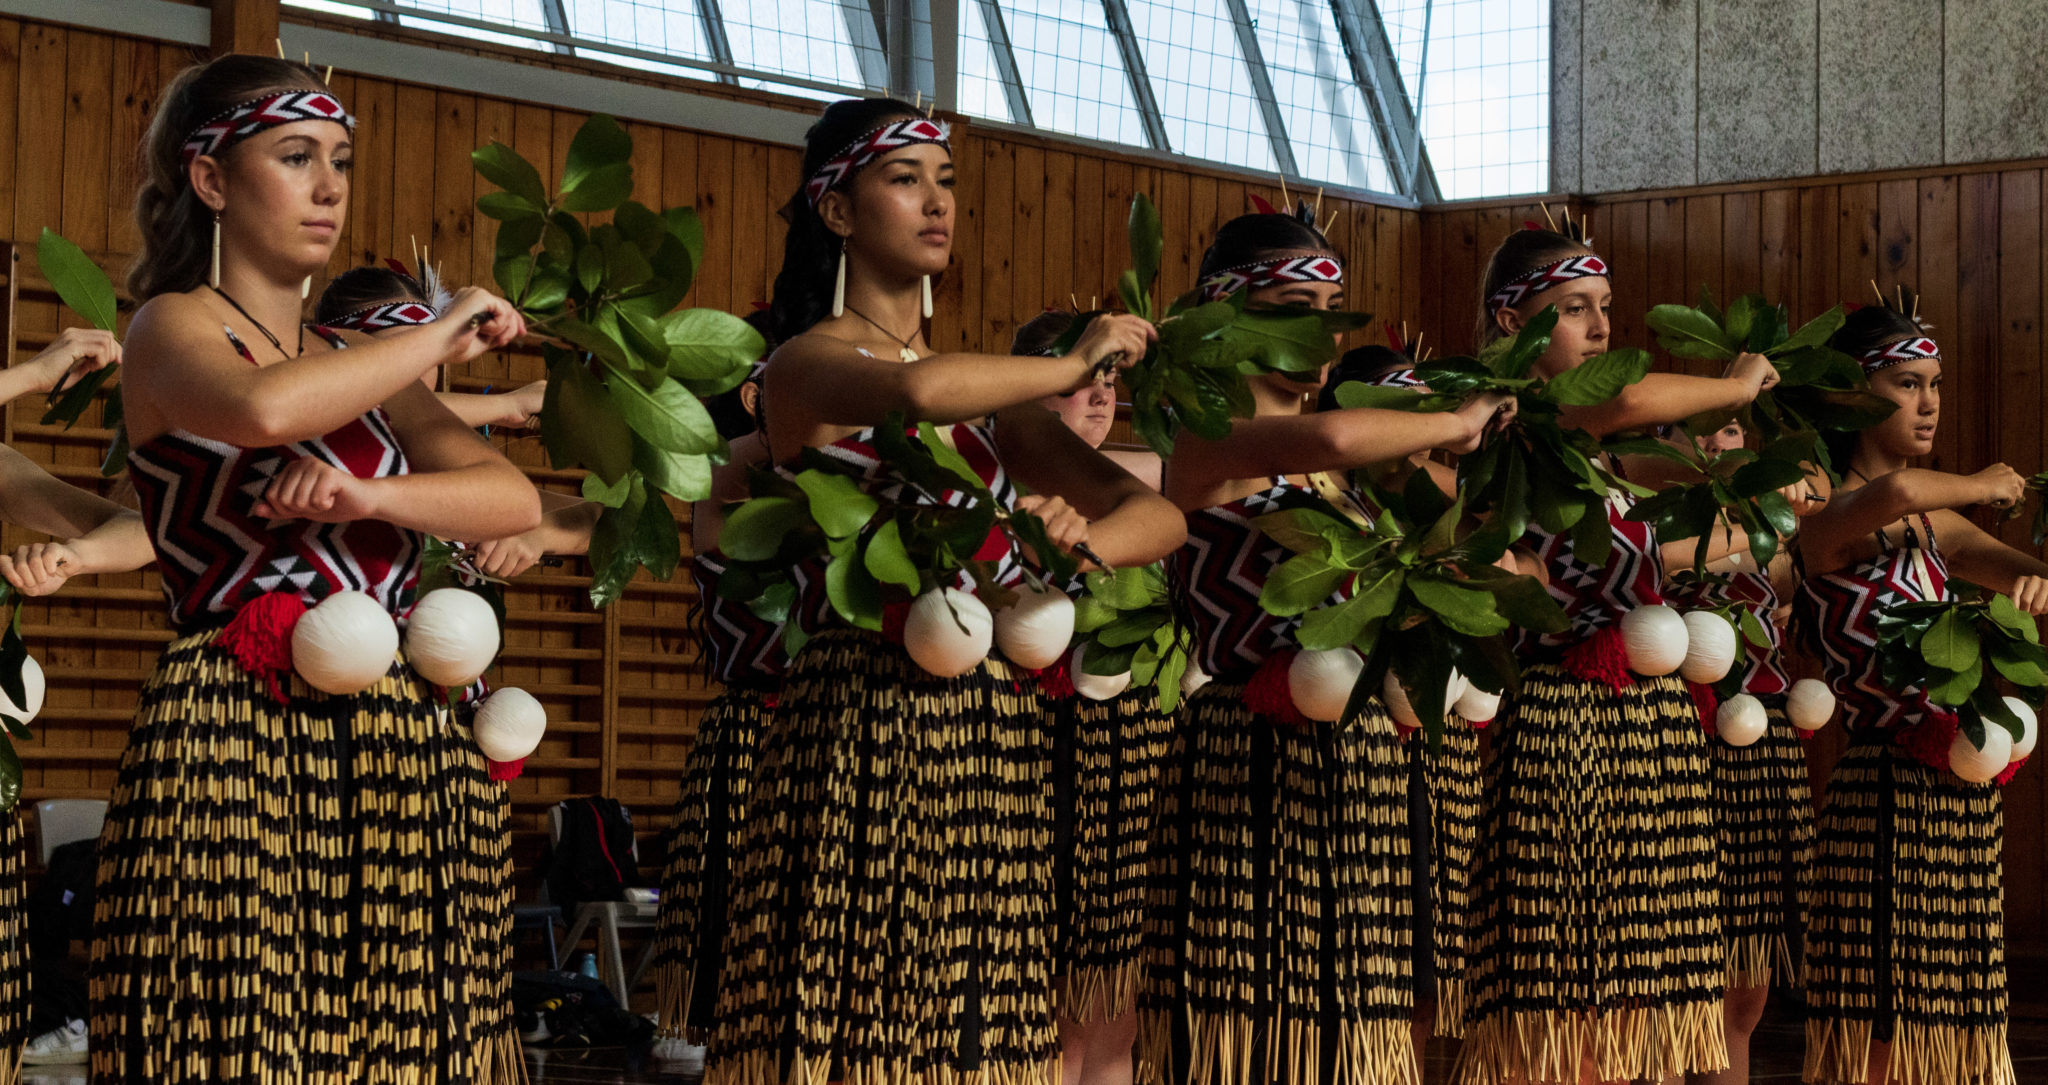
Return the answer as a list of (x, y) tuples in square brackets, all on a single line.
[(57, 1046)]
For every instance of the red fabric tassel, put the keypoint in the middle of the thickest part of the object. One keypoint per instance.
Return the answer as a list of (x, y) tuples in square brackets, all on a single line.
[(2011, 771), (1602, 657), (893, 617), (506, 770), (772, 702), (260, 636), (1268, 695), (1709, 704), (1057, 680), (1928, 741)]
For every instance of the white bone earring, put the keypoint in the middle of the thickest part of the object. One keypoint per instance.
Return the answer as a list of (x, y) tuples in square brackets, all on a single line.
[(214, 279), (839, 286), (927, 297)]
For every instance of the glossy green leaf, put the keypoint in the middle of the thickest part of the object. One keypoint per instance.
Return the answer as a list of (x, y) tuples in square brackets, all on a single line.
[(838, 504), (1690, 333), (1599, 378), (68, 407), (580, 425), (1146, 241), (754, 530), (510, 207), (684, 476), (853, 591), (1813, 333), (502, 166), (1462, 609), (600, 144), (888, 561), (1951, 644), (667, 416), (1299, 583), (10, 776), (79, 282)]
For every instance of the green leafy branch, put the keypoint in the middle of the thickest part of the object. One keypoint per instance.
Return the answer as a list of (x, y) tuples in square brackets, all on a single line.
[(1127, 622), (1736, 486), (1536, 471), (626, 367), (898, 534), (85, 289), (1946, 648), (1195, 375), (1421, 601), (1819, 388)]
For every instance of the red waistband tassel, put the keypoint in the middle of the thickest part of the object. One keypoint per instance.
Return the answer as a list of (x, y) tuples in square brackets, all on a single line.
[(1055, 680), (1602, 657), (1268, 694), (506, 770), (2011, 770), (894, 615), (1709, 704), (1928, 741), (260, 636)]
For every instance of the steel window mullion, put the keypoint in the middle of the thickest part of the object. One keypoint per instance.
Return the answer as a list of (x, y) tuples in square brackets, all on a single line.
[(1262, 87), (713, 19), (1121, 28), (1006, 62), (1371, 57), (864, 34)]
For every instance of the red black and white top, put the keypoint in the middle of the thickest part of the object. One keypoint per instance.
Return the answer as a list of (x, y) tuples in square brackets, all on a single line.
[(216, 554), (1842, 608), (976, 444), (741, 650), (1221, 571), (1596, 596), (1753, 592)]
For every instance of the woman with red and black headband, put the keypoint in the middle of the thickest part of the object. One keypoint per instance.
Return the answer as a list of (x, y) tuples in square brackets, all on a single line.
[(1596, 951), (892, 906), (292, 884), (380, 300), (1905, 950), (1282, 924)]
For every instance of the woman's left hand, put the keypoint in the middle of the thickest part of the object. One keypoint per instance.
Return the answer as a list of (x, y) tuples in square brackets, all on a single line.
[(312, 489), (41, 568), (2030, 594), (1066, 527)]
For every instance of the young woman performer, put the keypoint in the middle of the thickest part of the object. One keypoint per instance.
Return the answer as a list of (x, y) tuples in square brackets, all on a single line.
[(1284, 877), (1107, 757), (1596, 950), (380, 300), (1762, 803), (893, 905), (319, 863), (743, 653), (1905, 952)]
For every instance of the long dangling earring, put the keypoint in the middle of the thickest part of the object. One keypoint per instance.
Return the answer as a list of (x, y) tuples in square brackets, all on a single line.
[(306, 288), (214, 280), (839, 284), (927, 297)]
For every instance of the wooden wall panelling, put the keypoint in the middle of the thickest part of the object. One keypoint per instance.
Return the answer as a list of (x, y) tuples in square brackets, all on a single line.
[(1028, 296), (998, 247)]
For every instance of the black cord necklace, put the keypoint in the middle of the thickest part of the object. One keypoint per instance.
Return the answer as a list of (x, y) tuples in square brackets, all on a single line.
[(230, 299), (908, 353)]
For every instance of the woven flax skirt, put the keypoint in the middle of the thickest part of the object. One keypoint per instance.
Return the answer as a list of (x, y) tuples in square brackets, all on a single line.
[(1450, 777), (1596, 930), (1280, 938), (311, 893), (892, 910), (696, 885), (1763, 820), (1907, 943)]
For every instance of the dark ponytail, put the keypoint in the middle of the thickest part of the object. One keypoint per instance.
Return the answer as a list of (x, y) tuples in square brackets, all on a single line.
[(176, 228), (1360, 364), (810, 251), (1250, 239), (1521, 253), (1037, 335)]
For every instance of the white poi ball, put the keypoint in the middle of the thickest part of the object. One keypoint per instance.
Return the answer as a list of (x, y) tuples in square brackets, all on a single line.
[(1320, 682), (1655, 638), (509, 724), (1980, 764), (33, 687), (948, 632), (452, 637), (1034, 632), (1193, 678), (1742, 720), (1710, 647), (1095, 687), (1810, 704), (345, 644), (1477, 705), (2024, 745), (1396, 697)]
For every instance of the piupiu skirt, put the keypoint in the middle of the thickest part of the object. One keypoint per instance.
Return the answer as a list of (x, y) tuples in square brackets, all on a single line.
[(1596, 927), (304, 892), (892, 912), (1107, 760), (1763, 822), (1446, 808), (14, 969), (1280, 937), (696, 883), (1907, 943)]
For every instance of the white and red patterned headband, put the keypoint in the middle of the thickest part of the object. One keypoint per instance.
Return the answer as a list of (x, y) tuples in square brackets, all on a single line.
[(1395, 378), (889, 137), (1299, 269), (1905, 350), (396, 314), (1543, 278), (269, 111)]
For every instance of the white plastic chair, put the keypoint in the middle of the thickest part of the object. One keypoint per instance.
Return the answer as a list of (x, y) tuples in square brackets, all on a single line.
[(610, 917), (64, 821)]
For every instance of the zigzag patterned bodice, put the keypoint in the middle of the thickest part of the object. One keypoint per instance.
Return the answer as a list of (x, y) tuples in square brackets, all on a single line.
[(977, 445), (1221, 571), (739, 648), (215, 554), (1596, 596), (1755, 593), (1842, 608)]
